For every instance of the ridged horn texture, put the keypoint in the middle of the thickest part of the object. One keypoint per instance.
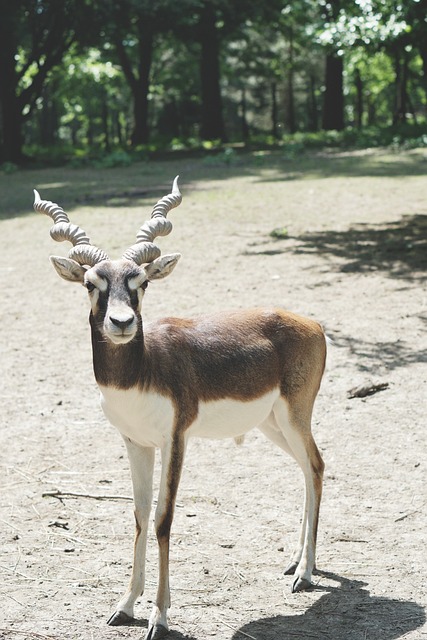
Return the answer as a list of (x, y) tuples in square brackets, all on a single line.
[(83, 251), (145, 250)]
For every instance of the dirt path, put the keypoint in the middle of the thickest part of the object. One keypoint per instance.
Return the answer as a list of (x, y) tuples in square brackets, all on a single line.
[(354, 258)]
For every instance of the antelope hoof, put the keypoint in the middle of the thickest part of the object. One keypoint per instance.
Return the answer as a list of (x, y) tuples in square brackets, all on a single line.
[(156, 631), (291, 568), (301, 584), (118, 618)]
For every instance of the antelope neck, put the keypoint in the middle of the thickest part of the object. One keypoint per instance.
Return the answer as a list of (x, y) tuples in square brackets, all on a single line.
[(120, 366)]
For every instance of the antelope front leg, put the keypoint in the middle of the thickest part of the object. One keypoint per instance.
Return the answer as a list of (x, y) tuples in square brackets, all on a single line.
[(172, 460), (141, 461)]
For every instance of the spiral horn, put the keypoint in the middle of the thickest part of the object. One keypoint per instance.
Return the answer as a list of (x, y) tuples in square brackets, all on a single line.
[(144, 250), (83, 251)]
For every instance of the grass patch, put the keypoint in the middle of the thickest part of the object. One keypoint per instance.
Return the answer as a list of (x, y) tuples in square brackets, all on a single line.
[(142, 181), (214, 152)]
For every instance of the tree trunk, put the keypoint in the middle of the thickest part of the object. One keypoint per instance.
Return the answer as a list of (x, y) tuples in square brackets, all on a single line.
[(118, 126), (105, 125), (274, 112), (212, 125), (313, 124), (141, 134), (290, 102), (243, 117), (371, 112), (411, 109), (333, 102), (10, 112), (48, 120), (139, 83), (359, 99), (401, 82), (74, 131), (52, 36), (90, 134), (423, 53)]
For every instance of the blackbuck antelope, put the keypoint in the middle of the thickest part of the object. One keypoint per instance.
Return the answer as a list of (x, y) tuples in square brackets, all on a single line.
[(217, 376)]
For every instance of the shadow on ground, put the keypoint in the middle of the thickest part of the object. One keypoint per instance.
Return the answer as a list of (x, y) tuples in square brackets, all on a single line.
[(398, 248), (143, 182), (142, 624), (347, 612), (369, 355), (366, 163)]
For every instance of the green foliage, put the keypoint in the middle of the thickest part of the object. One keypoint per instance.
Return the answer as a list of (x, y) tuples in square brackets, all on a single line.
[(78, 158), (184, 144), (141, 153), (403, 142), (8, 167), (293, 147), (114, 159), (364, 22), (75, 84), (407, 136), (227, 157), (281, 233), (48, 156), (211, 144)]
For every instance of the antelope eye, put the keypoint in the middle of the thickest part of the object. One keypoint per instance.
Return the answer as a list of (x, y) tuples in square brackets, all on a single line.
[(89, 286), (144, 285)]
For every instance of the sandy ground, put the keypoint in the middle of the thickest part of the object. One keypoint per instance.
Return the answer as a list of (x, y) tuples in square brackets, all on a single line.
[(355, 259)]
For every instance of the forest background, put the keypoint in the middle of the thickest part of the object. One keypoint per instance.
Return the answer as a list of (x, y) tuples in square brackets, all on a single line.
[(109, 81)]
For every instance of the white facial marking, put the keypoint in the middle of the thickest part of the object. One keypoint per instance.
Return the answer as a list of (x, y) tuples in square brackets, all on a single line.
[(97, 281), (94, 297), (135, 283), (117, 279), (120, 338)]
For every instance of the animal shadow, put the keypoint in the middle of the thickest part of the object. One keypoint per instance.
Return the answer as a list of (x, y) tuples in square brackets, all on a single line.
[(142, 623), (347, 612), (397, 248)]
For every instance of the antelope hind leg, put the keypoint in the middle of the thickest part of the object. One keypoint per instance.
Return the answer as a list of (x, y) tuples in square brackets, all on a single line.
[(297, 434)]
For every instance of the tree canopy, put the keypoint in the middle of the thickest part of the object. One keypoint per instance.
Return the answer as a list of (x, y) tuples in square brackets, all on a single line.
[(95, 74)]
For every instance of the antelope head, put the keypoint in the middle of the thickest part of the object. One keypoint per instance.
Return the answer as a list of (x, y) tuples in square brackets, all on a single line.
[(115, 287)]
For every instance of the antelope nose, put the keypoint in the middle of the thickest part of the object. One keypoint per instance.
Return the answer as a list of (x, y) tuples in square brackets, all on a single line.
[(122, 322)]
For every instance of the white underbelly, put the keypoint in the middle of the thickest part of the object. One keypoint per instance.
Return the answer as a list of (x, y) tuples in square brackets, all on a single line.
[(230, 418), (147, 418)]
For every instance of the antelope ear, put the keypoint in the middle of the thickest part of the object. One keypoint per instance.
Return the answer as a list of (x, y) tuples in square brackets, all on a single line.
[(68, 269), (162, 266)]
